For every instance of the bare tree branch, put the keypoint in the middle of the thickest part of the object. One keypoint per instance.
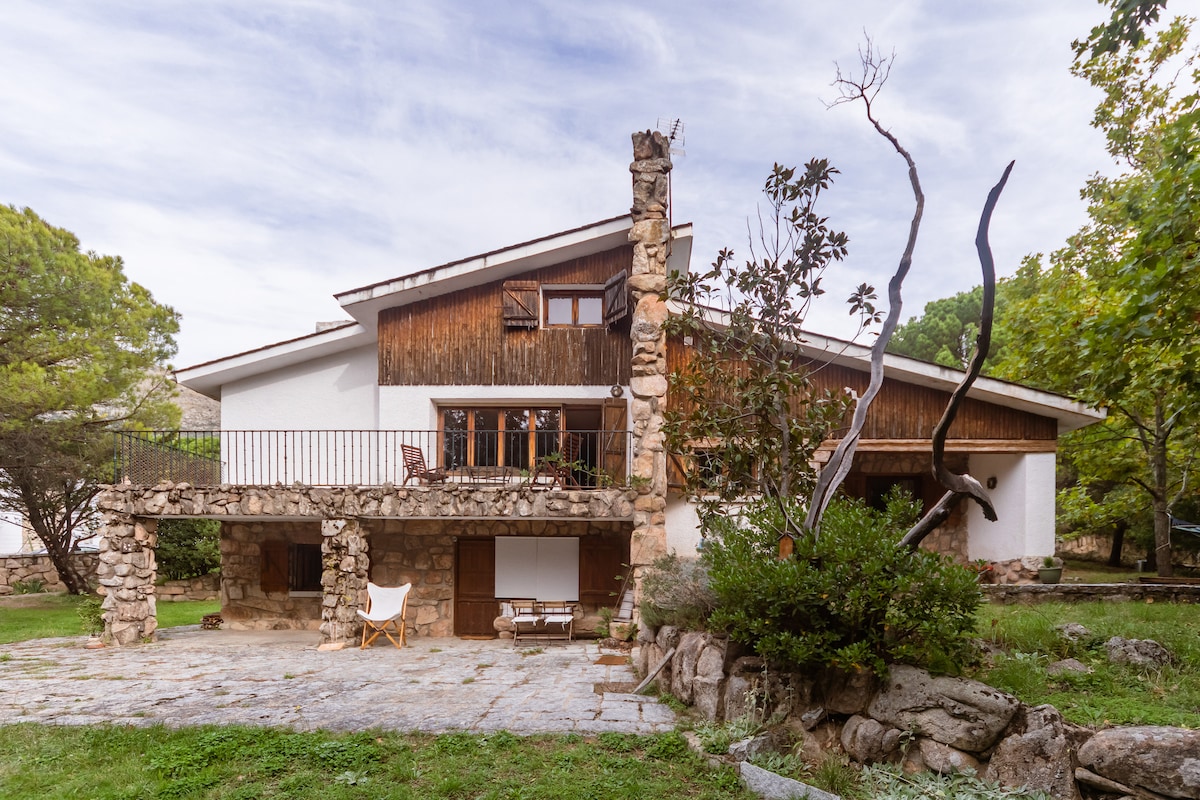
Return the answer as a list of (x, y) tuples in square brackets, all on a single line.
[(965, 485), (875, 73)]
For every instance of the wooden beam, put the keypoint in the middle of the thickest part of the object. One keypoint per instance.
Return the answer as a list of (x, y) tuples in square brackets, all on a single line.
[(952, 446)]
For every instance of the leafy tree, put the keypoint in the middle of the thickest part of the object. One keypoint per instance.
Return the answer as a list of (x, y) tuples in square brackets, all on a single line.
[(1127, 26), (947, 330), (77, 340), (744, 401), (1114, 318), (188, 548)]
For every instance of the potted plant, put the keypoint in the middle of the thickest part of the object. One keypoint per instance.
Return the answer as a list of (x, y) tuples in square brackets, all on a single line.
[(1050, 571), (91, 614)]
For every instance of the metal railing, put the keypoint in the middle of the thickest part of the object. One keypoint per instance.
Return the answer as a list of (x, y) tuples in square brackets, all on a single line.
[(367, 458)]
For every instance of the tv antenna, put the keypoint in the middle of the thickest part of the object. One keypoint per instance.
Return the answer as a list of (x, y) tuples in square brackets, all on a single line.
[(673, 128)]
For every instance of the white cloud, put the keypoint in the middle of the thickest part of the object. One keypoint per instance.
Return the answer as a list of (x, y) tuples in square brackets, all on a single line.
[(249, 160)]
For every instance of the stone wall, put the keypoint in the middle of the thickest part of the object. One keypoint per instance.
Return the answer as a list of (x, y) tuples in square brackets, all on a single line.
[(349, 502), (1094, 547), (924, 722), (1084, 593), (126, 575), (205, 587), (27, 568), (950, 538), (244, 605), (32, 568), (420, 552)]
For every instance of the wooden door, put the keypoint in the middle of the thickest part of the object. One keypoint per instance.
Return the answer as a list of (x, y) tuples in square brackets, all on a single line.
[(614, 439), (475, 606), (602, 563)]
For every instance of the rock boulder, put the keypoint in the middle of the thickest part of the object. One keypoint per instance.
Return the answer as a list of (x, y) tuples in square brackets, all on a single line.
[(1163, 760), (965, 714)]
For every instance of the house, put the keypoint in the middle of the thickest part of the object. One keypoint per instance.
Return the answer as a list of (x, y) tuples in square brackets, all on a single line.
[(490, 429)]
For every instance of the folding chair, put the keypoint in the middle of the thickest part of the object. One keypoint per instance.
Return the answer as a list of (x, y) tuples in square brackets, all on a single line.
[(525, 613), (562, 614), (386, 607)]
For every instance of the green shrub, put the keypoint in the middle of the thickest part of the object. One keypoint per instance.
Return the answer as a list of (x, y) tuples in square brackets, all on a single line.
[(188, 548), (31, 586), (91, 615), (848, 598), (675, 591)]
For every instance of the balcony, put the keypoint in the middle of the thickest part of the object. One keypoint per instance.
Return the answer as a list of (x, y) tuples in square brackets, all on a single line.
[(536, 459)]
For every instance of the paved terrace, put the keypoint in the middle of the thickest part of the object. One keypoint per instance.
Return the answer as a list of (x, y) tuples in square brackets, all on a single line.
[(281, 679)]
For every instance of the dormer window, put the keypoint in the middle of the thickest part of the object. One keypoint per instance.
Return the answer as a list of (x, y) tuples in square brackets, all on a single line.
[(574, 308)]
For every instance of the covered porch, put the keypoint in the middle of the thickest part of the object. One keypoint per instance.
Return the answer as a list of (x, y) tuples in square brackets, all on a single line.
[(299, 556)]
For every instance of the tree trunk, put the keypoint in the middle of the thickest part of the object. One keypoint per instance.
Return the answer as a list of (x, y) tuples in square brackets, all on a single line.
[(1162, 517), (1118, 543), (75, 582), (46, 525)]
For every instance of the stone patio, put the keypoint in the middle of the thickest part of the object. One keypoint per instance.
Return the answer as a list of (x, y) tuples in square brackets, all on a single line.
[(281, 679)]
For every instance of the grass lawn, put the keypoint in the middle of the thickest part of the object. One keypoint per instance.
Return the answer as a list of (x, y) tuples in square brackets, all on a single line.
[(1027, 643), (236, 762), (38, 616)]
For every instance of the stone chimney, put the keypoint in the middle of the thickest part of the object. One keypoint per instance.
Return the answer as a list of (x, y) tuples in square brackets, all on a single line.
[(651, 236)]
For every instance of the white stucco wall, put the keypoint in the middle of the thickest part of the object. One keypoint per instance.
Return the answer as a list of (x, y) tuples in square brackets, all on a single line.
[(1024, 502), (683, 527), (11, 533), (336, 392)]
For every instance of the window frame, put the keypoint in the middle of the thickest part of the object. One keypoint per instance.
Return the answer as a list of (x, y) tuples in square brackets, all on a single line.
[(575, 294), (471, 433)]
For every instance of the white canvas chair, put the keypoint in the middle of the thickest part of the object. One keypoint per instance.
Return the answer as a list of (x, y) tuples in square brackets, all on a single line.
[(386, 607)]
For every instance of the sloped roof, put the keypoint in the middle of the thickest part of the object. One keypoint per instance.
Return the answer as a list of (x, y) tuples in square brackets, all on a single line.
[(365, 303)]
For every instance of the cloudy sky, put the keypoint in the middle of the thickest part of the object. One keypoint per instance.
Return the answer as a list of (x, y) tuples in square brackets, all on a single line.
[(249, 160)]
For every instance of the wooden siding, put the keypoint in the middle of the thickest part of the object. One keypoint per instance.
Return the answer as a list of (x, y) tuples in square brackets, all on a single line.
[(907, 411), (461, 339)]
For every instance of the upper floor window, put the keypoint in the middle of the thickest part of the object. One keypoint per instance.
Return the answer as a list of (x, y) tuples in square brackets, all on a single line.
[(564, 306), (576, 307)]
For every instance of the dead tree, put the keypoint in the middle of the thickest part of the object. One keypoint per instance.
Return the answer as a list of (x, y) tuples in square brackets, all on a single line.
[(875, 71)]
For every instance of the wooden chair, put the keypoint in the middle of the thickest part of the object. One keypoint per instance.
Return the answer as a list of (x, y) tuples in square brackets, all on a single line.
[(414, 467), (559, 468), (561, 614), (525, 618), (386, 609)]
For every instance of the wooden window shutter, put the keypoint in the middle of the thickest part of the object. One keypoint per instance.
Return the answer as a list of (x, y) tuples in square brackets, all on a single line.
[(520, 304), (616, 439), (616, 298), (274, 576)]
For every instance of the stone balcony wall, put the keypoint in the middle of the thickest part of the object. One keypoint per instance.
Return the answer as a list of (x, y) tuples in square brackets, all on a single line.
[(342, 502)]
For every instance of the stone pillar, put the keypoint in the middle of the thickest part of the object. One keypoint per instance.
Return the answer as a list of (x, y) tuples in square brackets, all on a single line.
[(126, 573), (650, 235), (343, 579)]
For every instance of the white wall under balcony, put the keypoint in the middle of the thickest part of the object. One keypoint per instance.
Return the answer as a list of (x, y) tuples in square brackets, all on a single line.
[(337, 392), (1024, 500)]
